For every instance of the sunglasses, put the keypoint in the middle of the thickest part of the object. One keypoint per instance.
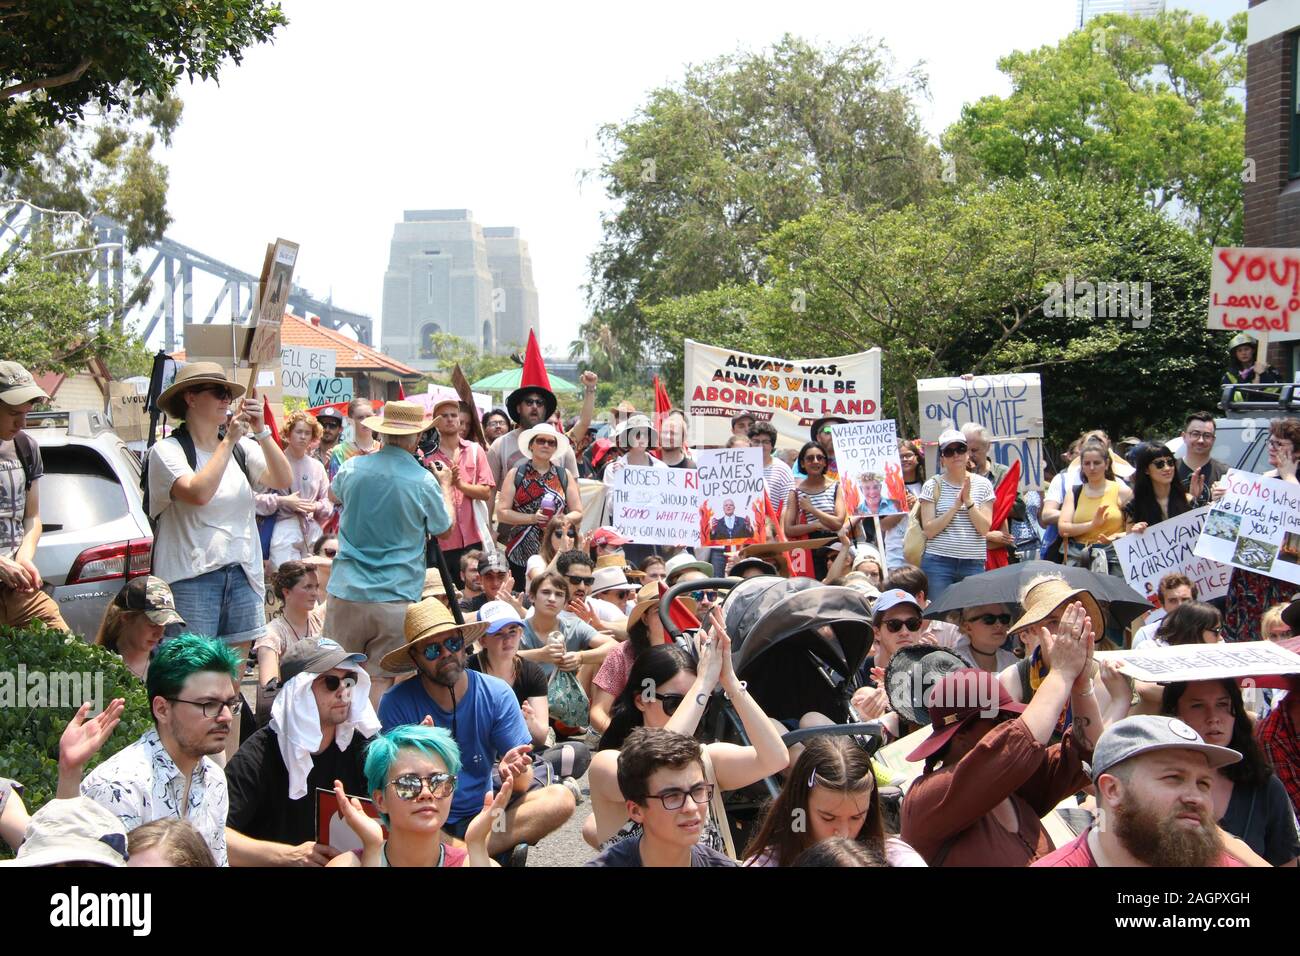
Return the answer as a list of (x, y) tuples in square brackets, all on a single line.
[(453, 645), (808, 458), (1163, 463), (577, 579), (538, 402), (570, 532), (221, 391), (670, 703), (988, 620), (704, 596), (332, 682), (953, 450), (910, 623), (545, 442), (409, 786)]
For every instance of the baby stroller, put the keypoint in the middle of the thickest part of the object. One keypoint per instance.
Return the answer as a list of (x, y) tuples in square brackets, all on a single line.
[(789, 666)]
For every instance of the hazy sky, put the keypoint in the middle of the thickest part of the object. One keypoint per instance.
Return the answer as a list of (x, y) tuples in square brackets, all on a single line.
[(359, 111)]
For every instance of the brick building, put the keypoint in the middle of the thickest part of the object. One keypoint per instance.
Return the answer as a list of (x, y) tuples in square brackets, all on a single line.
[(1272, 199)]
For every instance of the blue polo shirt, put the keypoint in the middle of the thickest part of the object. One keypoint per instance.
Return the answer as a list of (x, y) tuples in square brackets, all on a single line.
[(390, 502), (487, 723)]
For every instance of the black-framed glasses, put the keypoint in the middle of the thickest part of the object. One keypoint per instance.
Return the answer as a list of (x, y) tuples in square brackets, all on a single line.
[(1201, 436), (409, 786), (332, 682), (675, 798), (1163, 463), (212, 708), (670, 703), (951, 450), (910, 623), (453, 645), (577, 580), (988, 620), (539, 402)]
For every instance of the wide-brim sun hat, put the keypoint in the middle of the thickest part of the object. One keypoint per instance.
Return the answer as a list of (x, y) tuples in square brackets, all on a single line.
[(545, 429), (632, 424), (429, 618), (911, 671), (647, 599), (191, 375), (399, 418), (1046, 596), (685, 561), (956, 700), (71, 832)]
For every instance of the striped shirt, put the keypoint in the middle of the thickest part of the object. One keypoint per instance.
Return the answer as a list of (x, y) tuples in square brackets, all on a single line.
[(823, 500), (959, 539)]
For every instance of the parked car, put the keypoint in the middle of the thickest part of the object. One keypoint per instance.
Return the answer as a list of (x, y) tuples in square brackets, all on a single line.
[(1241, 437), (96, 533)]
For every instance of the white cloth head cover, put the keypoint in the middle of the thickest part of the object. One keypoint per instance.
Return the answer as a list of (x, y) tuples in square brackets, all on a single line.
[(295, 719)]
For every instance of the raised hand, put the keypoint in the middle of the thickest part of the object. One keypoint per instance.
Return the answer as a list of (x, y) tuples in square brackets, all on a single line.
[(708, 667), (491, 817), (1099, 516), (83, 738), (589, 379), (1196, 485), (367, 828), (1069, 649)]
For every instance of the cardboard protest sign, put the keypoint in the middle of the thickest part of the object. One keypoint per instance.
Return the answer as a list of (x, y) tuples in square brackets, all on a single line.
[(1169, 547), (1255, 290), (866, 455), (298, 365), (656, 505), (330, 826), (731, 489), (274, 289), (789, 393), (128, 407), (1168, 665), (1255, 526), (328, 391), (1009, 406)]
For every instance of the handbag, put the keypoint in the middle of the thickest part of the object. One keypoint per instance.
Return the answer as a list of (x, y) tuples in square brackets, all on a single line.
[(567, 700), (914, 538)]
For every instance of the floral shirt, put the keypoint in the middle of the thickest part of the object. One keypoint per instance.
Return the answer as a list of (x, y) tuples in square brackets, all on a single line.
[(141, 783)]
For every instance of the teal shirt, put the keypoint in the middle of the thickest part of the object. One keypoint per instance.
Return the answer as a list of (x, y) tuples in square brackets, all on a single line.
[(390, 503)]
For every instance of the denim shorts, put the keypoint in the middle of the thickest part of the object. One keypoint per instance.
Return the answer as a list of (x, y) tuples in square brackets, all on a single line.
[(219, 604)]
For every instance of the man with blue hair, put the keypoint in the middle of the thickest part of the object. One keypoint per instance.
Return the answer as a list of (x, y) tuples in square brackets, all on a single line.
[(193, 688)]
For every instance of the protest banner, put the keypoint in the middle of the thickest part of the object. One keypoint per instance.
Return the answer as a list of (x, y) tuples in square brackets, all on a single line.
[(791, 394), (1168, 665), (128, 406), (656, 505), (1255, 290), (1009, 406), (273, 297), (328, 391), (866, 455), (731, 493), (299, 364), (1169, 547), (1255, 526)]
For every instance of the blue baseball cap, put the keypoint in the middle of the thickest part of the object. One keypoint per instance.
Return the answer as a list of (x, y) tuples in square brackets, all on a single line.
[(891, 599)]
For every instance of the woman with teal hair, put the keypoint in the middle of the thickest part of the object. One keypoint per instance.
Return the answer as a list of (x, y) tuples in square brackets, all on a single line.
[(411, 771)]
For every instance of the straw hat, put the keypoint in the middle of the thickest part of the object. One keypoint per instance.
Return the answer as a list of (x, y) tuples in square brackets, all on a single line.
[(429, 618), (399, 418), (433, 586), (545, 429), (1046, 596), (191, 375), (617, 560), (648, 598)]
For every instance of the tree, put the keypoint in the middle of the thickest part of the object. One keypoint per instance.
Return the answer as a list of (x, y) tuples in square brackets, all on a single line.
[(57, 57), (451, 350), (745, 143), (1142, 102), (960, 283)]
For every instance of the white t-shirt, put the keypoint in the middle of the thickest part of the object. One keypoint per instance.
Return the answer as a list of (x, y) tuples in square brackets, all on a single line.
[(779, 480), (959, 539), (193, 540), (1147, 632)]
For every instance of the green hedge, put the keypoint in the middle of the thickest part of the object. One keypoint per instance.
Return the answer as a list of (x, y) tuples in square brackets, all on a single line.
[(29, 736)]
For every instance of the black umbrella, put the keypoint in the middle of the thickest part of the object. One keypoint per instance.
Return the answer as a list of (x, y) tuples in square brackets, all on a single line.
[(1003, 586)]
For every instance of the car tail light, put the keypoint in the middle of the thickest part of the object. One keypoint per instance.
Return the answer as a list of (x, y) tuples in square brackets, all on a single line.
[(121, 559)]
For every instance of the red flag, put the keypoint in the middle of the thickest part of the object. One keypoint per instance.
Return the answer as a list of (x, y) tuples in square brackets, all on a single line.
[(401, 393), (1002, 503), (679, 613)]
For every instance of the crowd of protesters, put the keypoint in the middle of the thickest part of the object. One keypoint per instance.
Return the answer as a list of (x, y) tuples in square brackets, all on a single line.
[(456, 645)]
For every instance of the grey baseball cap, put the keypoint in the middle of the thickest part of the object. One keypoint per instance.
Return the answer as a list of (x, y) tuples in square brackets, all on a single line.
[(1138, 735), (493, 561), (17, 387), (315, 655)]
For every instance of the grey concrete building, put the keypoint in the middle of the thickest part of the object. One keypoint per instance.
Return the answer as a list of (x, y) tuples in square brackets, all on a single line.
[(446, 273)]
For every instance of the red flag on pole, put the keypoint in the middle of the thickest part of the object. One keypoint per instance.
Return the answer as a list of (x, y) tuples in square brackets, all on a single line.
[(401, 393), (270, 420), (1004, 499)]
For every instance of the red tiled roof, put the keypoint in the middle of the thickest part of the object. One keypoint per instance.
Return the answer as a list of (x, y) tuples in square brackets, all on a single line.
[(352, 356)]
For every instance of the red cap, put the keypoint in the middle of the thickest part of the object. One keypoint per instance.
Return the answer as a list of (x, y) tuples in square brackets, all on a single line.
[(958, 698), (609, 537)]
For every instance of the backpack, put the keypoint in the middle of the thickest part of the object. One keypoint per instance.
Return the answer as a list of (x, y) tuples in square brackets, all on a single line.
[(1055, 552), (186, 441), (558, 469)]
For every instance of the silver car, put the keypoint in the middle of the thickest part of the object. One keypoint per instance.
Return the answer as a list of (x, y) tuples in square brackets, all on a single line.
[(95, 530)]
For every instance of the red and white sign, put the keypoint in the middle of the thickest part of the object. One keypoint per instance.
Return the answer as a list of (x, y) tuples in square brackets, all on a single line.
[(1255, 290)]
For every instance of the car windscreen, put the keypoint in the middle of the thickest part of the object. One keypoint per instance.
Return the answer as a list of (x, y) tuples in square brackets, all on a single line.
[(79, 490)]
